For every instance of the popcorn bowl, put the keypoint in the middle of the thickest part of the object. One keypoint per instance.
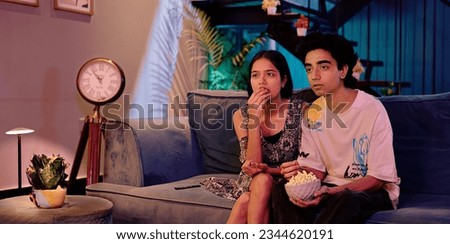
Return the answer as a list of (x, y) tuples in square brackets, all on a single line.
[(303, 191)]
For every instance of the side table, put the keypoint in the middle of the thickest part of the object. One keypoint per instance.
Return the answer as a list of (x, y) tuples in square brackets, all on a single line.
[(77, 209)]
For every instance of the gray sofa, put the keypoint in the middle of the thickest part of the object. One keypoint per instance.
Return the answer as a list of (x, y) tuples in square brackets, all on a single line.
[(146, 159)]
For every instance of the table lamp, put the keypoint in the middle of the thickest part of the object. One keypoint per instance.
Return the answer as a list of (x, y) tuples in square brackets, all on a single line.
[(19, 132)]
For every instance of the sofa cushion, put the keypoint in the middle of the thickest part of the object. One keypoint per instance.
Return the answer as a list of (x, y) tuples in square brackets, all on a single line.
[(210, 117), (162, 204), (416, 208), (421, 126)]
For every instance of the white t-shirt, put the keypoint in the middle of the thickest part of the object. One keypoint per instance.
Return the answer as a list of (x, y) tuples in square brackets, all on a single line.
[(352, 144)]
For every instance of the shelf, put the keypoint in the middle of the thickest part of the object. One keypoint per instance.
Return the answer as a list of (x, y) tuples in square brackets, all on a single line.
[(397, 84), (283, 16), (367, 86)]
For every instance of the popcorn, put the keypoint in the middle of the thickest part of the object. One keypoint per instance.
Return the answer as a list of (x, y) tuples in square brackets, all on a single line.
[(301, 178)]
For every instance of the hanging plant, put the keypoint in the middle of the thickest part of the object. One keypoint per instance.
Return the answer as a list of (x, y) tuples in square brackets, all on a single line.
[(240, 63)]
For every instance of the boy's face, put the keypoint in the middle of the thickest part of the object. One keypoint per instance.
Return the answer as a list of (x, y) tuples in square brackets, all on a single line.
[(323, 74)]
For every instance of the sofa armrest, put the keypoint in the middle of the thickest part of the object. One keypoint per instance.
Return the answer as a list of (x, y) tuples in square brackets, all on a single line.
[(143, 152), (122, 163)]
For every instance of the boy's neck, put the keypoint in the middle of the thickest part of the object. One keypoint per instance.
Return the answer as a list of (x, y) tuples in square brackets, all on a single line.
[(339, 102)]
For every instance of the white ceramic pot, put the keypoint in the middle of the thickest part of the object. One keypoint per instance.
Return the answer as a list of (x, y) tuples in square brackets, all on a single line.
[(53, 198), (271, 10), (356, 75), (301, 31)]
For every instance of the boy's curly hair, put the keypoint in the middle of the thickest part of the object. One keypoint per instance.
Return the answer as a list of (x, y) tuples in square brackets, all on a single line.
[(339, 48)]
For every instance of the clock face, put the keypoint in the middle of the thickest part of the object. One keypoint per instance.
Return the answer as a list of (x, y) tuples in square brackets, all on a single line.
[(100, 81)]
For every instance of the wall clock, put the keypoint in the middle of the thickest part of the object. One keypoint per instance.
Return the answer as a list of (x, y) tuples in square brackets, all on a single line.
[(100, 81)]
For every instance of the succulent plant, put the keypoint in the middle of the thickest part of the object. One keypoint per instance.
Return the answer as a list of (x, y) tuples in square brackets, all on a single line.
[(46, 172)]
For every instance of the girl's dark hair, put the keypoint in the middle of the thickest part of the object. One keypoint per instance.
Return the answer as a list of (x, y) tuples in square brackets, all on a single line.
[(280, 63), (339, 47)]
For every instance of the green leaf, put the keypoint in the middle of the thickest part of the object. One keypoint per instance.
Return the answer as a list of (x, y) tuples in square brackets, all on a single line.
[(216, 51), (45, 172)]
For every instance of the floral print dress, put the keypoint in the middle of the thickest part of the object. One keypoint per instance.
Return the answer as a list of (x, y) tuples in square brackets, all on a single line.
[(276, 149)]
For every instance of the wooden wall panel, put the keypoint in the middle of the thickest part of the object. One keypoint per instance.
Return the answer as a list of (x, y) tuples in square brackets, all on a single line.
[(410, 37)]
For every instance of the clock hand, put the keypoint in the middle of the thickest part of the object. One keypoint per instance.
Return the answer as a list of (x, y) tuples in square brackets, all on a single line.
[(99, 78)]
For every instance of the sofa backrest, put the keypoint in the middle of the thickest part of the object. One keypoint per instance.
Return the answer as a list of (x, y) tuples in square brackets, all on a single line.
[(210, 115), (421, 126), (150, 151)]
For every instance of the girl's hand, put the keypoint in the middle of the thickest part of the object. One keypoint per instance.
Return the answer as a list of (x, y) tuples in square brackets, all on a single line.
[(257, 100), (252, 168)]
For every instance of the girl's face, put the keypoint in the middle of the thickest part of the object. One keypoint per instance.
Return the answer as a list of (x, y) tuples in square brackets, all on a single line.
[(265, 75), (323, 74)]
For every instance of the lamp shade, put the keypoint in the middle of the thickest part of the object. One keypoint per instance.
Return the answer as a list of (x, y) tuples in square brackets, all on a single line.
[(19, 131)]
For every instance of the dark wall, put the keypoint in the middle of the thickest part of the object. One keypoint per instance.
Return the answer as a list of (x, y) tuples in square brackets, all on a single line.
[(410, 37)]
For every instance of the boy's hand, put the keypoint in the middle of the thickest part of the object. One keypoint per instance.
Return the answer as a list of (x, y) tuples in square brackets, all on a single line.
[(289, 169)]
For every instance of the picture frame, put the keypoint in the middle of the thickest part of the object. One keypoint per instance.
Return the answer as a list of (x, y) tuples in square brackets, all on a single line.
[(34, 3), (77, 6)]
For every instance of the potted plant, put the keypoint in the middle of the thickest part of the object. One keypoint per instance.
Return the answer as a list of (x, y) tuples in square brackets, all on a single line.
[(47, 177), (270, 6), (302, 25), (389, 90)]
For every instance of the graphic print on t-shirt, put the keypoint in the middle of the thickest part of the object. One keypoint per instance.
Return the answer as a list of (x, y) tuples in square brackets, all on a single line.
[(358, 167), (314, 113)]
